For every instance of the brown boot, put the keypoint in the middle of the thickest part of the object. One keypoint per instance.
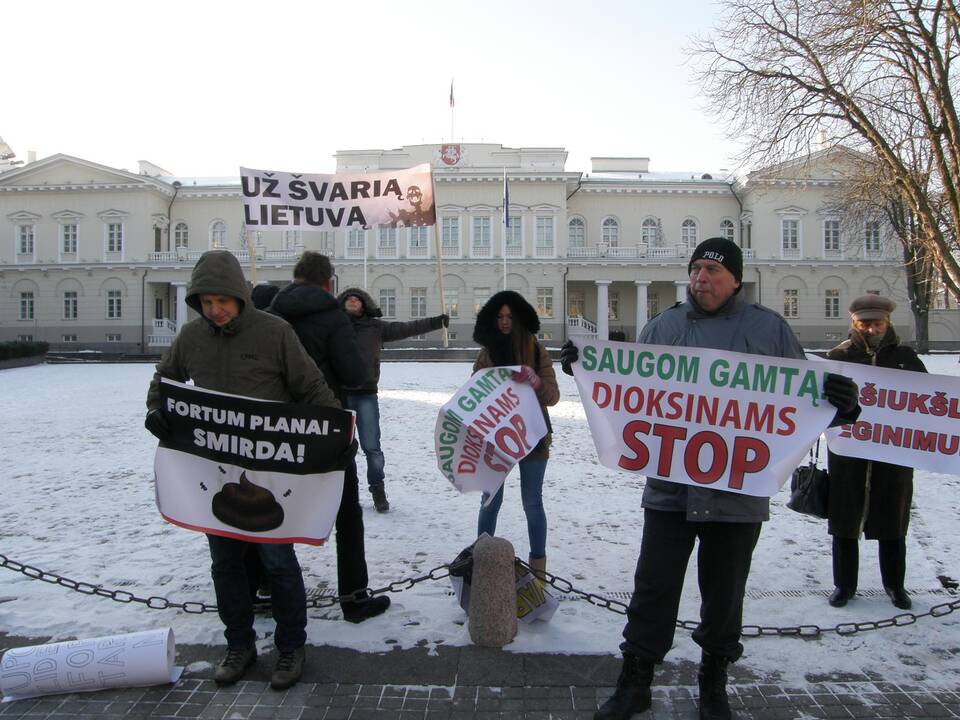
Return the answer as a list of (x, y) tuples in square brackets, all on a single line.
[(539, 566), (633, 691)]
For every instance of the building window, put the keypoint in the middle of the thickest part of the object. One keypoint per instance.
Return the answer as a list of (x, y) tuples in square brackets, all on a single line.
[(544, 237), (451, 334), (450, 236), (831, 304), (114, 237), (544, 335), (25, 239), (113, 337), (480, 297), (545, 302), (790, 236), (613, 306), (653, 306), (387, 241), (648, 233), (26, 305), (451, 302), (325, 242), (481, 236), (871, 237), (388, 302), (610, 232), (418, 302), (831, 237), (292, 239), (419, 238), (576, 301), (68, 338), (514, 237), (114, 305), (688, 233), (576, 233), (218, 234), (791, 303), (70, 305), (24, 338), (68, 239), (181, 235), (356, 242), (726, 230)]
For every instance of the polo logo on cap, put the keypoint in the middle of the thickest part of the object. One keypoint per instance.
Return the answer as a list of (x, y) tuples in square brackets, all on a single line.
[(713, 255)]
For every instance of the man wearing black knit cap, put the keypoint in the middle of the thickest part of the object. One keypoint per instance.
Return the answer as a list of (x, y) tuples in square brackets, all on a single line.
[(676, 516)]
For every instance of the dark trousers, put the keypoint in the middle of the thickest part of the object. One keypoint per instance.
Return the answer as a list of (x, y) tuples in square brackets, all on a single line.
[(234, 603), (351, 557), (723, 562), (846, 563)]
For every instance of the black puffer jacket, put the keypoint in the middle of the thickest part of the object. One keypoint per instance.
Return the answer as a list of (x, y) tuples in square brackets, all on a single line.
[(372, 333), (886, 514), (325, 332)]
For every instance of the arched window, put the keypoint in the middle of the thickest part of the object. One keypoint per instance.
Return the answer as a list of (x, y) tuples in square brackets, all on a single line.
[(726, 230), (649, 234), (611, 232), (218, 234), (688, 233), (576, 233), (181, 235)]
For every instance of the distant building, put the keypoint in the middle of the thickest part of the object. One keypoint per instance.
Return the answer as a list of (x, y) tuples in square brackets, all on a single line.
[(92, 257)]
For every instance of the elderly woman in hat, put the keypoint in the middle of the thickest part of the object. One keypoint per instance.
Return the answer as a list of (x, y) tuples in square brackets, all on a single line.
[(868, 496)]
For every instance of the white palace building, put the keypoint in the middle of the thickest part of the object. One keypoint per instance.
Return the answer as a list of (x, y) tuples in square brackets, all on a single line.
[(97, 258)]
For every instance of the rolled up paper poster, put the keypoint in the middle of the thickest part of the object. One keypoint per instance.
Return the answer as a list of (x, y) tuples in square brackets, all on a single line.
[(130, 660)]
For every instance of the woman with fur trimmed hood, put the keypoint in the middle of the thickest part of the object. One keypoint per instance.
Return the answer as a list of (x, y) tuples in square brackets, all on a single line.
[(506, 331)]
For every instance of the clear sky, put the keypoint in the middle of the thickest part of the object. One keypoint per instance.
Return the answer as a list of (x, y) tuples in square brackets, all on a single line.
[(205, 86)]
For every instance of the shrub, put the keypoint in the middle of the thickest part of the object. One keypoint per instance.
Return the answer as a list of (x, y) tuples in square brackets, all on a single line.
[(10, 350)]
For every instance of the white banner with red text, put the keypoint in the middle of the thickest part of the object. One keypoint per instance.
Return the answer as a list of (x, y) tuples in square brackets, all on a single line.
[(707, 418), (906, 418), (487, 427), (298, 201), (254, 470)]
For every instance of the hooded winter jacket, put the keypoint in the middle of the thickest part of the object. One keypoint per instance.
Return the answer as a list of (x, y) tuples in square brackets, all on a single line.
[(325, 332), (869, 495), (256, 354), (372, 333), (737, 326)]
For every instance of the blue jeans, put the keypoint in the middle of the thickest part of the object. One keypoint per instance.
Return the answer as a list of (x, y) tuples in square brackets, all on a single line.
[(367, 408), (531, 493), (234, 603)]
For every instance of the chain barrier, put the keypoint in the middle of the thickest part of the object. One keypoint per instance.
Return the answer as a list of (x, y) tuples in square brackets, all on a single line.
[(460, 566)]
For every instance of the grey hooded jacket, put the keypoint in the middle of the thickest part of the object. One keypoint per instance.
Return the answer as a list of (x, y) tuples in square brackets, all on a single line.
[(738, 326)]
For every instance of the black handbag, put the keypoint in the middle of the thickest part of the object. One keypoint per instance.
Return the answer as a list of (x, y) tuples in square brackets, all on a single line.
[(809, 488)]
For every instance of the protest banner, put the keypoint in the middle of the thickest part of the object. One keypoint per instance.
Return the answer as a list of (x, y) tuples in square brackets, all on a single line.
[(487, 427), (906, 418), (129, 660), (708, 418), (285, 200), (250, 469)]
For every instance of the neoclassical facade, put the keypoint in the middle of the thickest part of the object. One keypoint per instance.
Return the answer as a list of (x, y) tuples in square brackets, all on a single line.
[(97, 258)]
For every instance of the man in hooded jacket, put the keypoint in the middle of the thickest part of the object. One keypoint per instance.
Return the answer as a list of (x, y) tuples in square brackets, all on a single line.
[(372, 333), (235, 348)]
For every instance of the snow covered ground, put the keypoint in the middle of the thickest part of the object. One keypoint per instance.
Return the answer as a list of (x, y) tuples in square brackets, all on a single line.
[(76, 498)]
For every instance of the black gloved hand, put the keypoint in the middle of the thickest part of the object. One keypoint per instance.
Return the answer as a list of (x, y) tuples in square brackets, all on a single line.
[(347, 456), (569, 354), (445, 320), (842, 392), (156, 423)]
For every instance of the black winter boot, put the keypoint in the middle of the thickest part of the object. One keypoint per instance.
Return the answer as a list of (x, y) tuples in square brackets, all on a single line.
[(633, 691), (712, 679)]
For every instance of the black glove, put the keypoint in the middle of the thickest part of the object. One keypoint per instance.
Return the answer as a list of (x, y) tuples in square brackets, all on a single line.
[(444, 320), (842, 392), (156, 423), (347, 456), (569, 354)]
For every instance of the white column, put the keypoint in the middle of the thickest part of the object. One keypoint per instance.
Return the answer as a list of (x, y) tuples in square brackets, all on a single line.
[(682, 286), (603, 309), (181, 304), (642, 317)]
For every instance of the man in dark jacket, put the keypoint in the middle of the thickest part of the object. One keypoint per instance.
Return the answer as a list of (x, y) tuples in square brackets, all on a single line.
[(726, 524), (328, 337), (372, 333), (867, 496), (235, 348)]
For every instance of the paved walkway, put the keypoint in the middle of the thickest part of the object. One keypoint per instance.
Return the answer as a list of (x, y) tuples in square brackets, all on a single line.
[(471, 682)]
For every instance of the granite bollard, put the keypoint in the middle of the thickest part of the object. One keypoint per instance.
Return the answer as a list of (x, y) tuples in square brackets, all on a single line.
[(493, 595)]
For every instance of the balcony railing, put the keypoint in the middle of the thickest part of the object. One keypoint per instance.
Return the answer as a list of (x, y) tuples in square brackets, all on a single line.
[(160, 340), (418, 251), (577, 325), (164, 324)]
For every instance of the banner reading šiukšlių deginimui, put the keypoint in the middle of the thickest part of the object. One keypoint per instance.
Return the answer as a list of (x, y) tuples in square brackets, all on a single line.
[(390, 198), (250, 469)]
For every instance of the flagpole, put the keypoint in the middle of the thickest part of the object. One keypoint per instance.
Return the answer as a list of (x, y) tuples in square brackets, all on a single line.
[(436, 246), (253, 260), (505, 224), (452, 139)]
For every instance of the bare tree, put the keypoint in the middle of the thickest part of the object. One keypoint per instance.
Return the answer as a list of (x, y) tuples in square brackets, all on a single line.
[(873, 75)]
